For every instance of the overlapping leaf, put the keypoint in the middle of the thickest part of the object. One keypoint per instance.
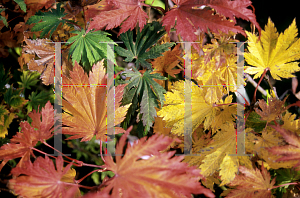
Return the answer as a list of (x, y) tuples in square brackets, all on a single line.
[(287, 152), (87, 48), (86, 101), (146, 39), (253, 183), (158, 176), (49, 20), (274, 52), (42, 179), (127, 11), (202, 111), (45, 65), (39, 130), (193, 14), (144, 90)]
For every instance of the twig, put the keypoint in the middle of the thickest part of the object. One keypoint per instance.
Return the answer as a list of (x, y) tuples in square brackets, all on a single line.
[(260, 89)]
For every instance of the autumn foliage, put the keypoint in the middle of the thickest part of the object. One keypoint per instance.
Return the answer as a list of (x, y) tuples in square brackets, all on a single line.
[(153, 120)]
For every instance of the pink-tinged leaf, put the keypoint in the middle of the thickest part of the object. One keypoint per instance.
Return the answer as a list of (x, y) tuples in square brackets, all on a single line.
[(130, 12), (42, 179), (252, 184), (288, 152), (193, 14), (158, 176)]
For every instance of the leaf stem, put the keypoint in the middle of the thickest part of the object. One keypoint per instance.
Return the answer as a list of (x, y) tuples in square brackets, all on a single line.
[(294, 183), (80, 180), (254, 95)]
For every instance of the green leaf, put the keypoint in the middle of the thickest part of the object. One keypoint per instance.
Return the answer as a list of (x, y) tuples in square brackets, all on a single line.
[(2, 18), (143, 90), (36, 100), (96, 178), (88, 50), (13, 98), (50, 20), (29, 79), (22, 4), (149, 36)]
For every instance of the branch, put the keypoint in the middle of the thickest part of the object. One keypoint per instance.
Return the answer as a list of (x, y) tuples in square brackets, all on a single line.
[(260, 89)]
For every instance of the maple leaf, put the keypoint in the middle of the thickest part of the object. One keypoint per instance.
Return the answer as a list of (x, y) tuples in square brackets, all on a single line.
[(42, 179), (87, 103), (144, 90), (22, 143), (50, 20), (191, 16), (158, 176), (45, 65), (144, 40), (253, 183), (271, 111), (166, 63), (273, 52), (86, 47), (129, 10), (92, 11), (287, 152), (173, 111)]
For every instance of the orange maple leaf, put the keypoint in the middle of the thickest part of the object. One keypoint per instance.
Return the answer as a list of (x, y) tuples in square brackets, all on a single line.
[(85, 99), (45, 65), (41, 179), (158, 176), (253, 183), (22, 143), (166, 63)]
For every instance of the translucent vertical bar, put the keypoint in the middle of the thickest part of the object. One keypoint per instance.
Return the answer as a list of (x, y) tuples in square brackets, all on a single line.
[(110, 100), (57, 100), (240, 121), (188, 122)]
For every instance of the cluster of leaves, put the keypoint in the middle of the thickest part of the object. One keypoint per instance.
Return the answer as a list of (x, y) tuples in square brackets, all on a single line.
[(147, 99)]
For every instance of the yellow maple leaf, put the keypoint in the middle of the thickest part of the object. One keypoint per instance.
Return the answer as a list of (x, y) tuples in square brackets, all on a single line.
[(273, 52), (86, 100), (224, 144), (174, 108)]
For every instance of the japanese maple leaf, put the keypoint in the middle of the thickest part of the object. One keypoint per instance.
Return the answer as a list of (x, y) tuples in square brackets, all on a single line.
[(202, 111), (191, 15), (129, 11), (45, 65), (166, 63), (271, 111), (158, 176), (274, 52), (287, 152), (85, 99), (22, 143), (253, 183), (42, 179)]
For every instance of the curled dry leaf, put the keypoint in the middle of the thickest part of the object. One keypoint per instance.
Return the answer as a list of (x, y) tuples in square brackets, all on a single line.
[(45, 50)]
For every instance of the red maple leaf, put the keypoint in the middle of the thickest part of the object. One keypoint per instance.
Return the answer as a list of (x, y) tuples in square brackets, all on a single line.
[(129, 11), (22, 143), (158, 176), (42, 179), (193, 14)]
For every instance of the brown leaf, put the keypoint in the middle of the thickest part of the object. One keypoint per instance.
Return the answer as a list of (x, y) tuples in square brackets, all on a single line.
[(45, 65)]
